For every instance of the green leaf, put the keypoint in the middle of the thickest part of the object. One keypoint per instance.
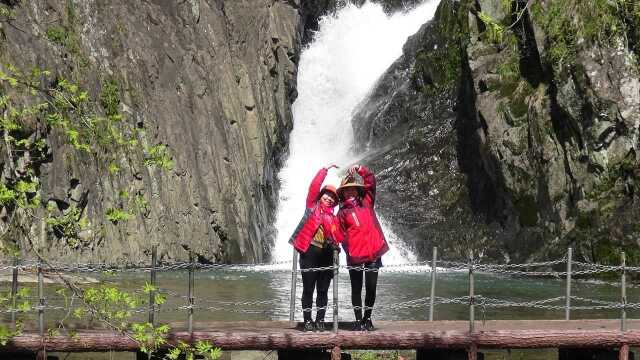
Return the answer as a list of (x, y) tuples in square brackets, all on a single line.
[(148, 288), (115, 215), (113, 168), (7, 195), (27, 186)]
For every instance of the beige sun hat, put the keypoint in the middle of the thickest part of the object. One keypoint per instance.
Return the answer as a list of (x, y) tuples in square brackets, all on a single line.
[(349, 182)]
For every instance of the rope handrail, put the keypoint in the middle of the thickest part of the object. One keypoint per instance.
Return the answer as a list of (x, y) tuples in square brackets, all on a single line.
[(415, 267)]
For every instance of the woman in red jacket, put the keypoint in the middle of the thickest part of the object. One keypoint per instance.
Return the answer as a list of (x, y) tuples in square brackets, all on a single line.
[(364, 241), (315, 238)]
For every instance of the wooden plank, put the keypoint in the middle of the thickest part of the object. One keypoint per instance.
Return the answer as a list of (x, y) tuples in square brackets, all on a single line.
[(294, 339)]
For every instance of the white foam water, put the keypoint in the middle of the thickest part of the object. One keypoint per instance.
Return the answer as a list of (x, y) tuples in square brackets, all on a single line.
[(351, 50)]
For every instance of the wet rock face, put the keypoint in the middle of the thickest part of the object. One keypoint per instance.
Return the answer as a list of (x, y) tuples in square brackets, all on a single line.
[(407, 129), (211, 80), (545, 129), (560, 138)]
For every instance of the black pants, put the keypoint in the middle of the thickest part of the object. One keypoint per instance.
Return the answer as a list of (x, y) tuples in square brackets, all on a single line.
[(370, 284), (320, 280)]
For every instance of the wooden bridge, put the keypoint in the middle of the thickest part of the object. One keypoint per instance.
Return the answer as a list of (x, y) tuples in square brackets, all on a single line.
[(434, 340), (429, 338)]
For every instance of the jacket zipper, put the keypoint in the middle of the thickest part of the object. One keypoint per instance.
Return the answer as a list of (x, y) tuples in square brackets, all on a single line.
[(355, 219)]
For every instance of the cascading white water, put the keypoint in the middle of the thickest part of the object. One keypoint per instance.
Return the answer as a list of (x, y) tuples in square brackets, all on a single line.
[(351, 50)]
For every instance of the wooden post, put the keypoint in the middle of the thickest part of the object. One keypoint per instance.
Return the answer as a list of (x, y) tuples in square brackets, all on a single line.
[(567, 314), (336, 264), (336, 353), (40, 299), (472, 299), (152, 294), (624, 352), (294, 278), (14, 291), (623, 293), (473, 352), (191, 286), (433, 283)]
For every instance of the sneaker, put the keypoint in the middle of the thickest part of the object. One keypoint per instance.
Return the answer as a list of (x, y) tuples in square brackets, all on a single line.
[(308, 325), (358, 326), (320, 325), (367, 325)]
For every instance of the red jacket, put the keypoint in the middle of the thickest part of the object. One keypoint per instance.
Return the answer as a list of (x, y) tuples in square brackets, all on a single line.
[(364, 240), (315, 215)]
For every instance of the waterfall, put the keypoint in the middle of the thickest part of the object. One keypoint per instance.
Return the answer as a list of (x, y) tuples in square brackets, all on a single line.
[(351, 50)]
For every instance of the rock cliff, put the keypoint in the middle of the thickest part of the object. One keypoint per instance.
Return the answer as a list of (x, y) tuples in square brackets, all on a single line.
[(206, 86), (510, 128)]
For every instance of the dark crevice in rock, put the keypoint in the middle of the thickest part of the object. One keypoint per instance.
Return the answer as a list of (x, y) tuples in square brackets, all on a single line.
[(201, 259), (564, 125), (482, 185), (530, 62), (10, 3)]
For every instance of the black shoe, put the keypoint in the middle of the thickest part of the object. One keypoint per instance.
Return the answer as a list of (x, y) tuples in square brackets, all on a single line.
[(358, 326), (367, 325), (320, 325), (308, 325)]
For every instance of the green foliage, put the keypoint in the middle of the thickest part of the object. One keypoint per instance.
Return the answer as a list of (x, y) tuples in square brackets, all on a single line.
[(158, 155), (65, 35), (6, 12), (203, 349), (116, 215), (110, 98), (141, 203), (113, 168), (603, 227), (510, 68), (109, 302), (150, 337), (570, 23), (374, 355), (68, 225), (506, 5), (495, 31), (27, 196), (69, 110), (19, 303), (57, 35), (438, 69), (71, 12), (7, 195), (368, 355), (6, 334)]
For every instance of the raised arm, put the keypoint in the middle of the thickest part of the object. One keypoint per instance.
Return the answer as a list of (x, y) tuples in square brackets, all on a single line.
[(369, 182), (314, 187)]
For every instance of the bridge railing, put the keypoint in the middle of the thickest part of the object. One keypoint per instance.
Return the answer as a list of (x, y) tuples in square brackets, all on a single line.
[(190, 303)]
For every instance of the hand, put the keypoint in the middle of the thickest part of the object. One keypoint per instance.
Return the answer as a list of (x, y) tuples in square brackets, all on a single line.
[(332, 166), (353, 170)]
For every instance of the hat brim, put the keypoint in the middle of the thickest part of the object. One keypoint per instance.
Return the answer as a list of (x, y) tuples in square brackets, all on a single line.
[(358, 187), (334, 193)]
